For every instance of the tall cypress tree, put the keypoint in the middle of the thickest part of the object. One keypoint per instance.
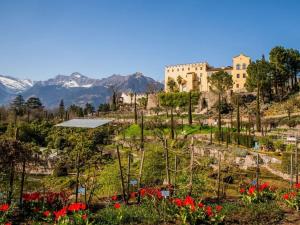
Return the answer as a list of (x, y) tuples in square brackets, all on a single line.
[(61, 109)]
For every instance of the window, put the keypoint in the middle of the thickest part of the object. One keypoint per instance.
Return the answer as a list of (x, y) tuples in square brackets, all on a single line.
[(238, 66), (195, 68), (238, 76), (237, 85), (182, 69), (188, 68), (177, 70), (200, 74), (172, 70), (200, 68), (168, 71), (244, 75), (244, 66)]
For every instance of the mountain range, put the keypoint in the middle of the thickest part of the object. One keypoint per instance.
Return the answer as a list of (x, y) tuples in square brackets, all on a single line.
[(75, 88)]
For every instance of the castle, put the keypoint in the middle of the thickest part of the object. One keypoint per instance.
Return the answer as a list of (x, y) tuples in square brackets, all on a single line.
[(194, 76)]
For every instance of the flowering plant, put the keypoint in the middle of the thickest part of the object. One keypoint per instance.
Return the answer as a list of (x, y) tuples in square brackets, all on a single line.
[(292, 198), (254, 194), (5, 211), (36, 203), (191, 212), (74, 213)]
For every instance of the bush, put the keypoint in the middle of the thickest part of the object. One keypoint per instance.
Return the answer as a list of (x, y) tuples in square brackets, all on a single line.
[(61, 170), (264, 193), (279, 145), (292, 123), (266, 143), (235, 138)]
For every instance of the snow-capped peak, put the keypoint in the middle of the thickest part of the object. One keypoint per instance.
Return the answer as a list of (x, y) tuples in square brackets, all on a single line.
[(70, 84), (74, 80), (14, 85), (76, 75)]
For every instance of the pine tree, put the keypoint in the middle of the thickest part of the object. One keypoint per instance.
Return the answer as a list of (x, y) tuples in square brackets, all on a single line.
[(34, 103), (61, 109), (18, 105)]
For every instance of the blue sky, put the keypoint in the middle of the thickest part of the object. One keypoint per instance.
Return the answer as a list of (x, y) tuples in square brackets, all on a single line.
[(43, 38)]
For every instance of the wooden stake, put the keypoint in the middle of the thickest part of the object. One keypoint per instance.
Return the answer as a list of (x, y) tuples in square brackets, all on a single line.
[(22, 184), (77, 176), (296, 162), (191, 167), (292, 175), (167, 162), (121, 174), (257, 173), (219, 175), (210, 134), (128, 177), (175, 174), (140, 175)]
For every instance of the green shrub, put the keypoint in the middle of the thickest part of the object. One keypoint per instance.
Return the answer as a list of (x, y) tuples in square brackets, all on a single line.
[(292, 123), (60, 170), (266, 143), (235, 138), (279, 145)]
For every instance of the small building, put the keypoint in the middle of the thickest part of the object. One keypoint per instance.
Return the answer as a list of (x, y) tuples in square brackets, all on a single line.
[(128, 98)]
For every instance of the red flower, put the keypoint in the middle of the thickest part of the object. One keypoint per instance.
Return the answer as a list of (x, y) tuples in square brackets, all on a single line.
[(178, 202), (209, 211), (158, 194), (297, 186), (192, 208), (219, 208), (76, 207), (188, 201), (46, 213), (117, 205), (115, 197), (251, 190), (289, 195), (242, 190), (286, 196), (200, 205), (31, 196), (84, 217), (60, 213), (4, 207), (8, 223), (263, 186), (143, 192)]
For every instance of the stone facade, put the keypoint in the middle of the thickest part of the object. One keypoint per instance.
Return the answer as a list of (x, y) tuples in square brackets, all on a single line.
[(194, 76)]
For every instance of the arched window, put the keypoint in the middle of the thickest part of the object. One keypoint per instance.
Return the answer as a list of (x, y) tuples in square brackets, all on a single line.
[(238, 66), (244, 66)]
